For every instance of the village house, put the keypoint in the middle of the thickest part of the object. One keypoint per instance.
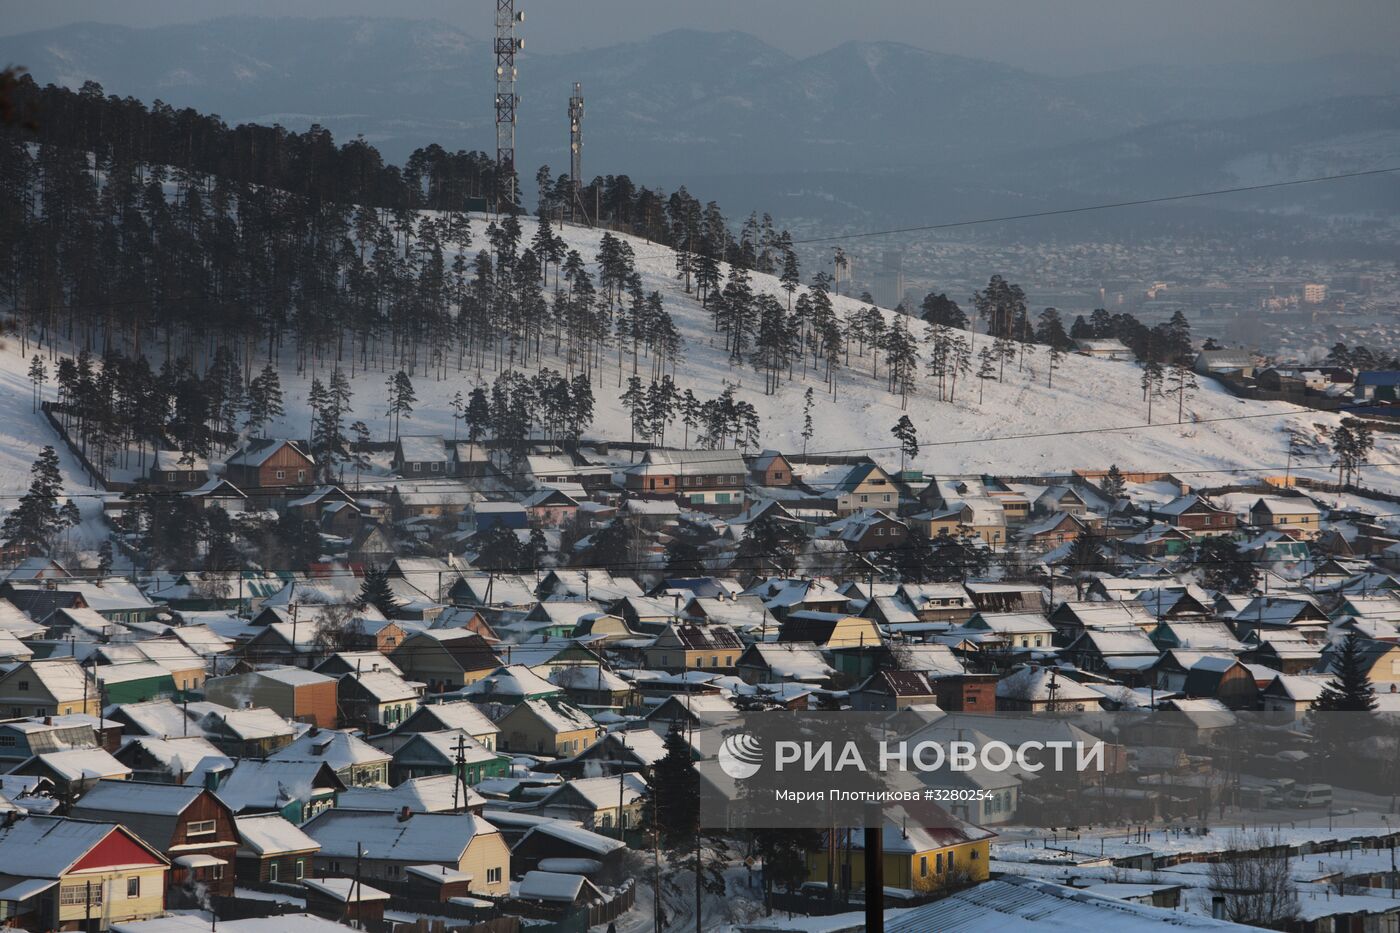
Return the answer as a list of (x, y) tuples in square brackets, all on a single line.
[(267, 463), (684, 646), (887, 691), (50, 687), (377, 697), (437, 717), (915, 858), (297, 790), (543, 727), (172, 469), (448, 751), (770, 468), (190, 826), (793, 662), (594, 802), (548, 840), (549, 508), (593, 687), (1032, 689), (827, 630), (385, 845), (706, 480), (354, 761), (863, 486), (1224, 362), (1104, 348), (272, 849), (1195, 515), (445, 659), (73, 771), (295, 694), (1051, 531), (420, 455), (1295, 514), (168, 761), (67, 874)]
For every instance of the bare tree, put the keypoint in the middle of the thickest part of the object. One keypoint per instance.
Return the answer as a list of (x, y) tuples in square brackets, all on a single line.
[(1253, 877)]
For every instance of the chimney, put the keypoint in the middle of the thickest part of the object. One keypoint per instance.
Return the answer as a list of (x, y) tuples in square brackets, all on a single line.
[(48, 720), (404, 814)]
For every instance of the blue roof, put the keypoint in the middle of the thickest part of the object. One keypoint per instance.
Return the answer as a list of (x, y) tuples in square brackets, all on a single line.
[(1386, 377)]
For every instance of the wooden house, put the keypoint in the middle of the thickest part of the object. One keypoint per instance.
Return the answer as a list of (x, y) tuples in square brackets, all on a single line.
[(770, 468), (268, 463), (190, 826), (685, 646), (445, 659), (66, 872), (542, 727), (295, 694), (272, 849)]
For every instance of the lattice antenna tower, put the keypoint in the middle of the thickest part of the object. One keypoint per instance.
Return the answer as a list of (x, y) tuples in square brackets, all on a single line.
[(507, 101), (576, 153)]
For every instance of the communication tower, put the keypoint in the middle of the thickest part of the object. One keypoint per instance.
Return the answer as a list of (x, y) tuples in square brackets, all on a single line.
[(507, 44)]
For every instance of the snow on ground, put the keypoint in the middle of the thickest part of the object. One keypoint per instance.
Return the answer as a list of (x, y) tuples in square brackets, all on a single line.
[(24, 432), (1092, 416)]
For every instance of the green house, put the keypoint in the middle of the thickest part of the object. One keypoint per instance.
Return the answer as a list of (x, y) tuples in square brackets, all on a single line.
[(134, 682), (430, 753)]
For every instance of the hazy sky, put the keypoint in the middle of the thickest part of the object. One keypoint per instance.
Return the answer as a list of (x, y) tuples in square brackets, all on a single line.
[(1067, 36)]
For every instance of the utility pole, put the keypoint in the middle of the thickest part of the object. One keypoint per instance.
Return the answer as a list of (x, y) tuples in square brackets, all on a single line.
[(576, 152), (507, 44), (874, 870), (621, 782)]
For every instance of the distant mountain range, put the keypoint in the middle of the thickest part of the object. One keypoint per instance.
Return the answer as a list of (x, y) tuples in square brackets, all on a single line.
[(861, 121)]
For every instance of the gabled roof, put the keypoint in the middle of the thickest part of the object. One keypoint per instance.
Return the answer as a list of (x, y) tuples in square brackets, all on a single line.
[(422, 838), (335, 747), (271, 834), (413, 448), (48, 847), (260, 449)]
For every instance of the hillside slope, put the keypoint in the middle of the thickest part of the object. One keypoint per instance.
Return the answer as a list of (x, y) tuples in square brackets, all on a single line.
[(1091, 416)]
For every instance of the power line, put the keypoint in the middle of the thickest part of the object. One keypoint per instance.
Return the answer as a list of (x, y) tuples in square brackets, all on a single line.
[(1098, 207)]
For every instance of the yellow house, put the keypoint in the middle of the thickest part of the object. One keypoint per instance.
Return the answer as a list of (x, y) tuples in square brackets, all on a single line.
[(687, 646), (916, 858), (388, 844), (49, 687), (829, 630), (865, 486), (83, 874), (541, 727)]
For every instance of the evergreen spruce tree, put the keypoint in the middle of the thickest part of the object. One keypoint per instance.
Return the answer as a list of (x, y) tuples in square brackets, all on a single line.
[(1113, 485), (375, 591), (1350, 690), (908, 437), (36, 520)]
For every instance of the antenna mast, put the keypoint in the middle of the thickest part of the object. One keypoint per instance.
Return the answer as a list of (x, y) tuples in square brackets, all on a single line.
[(506, 99), (576, 153)]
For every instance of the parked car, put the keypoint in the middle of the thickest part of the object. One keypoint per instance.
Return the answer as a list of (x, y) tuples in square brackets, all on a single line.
[(1308, 796)]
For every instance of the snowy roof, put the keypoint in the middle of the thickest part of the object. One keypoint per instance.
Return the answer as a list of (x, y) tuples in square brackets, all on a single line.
[(181, 755), (793, 661), (47, 847), (64, 678), (79, 764), (602, 793), (259, 450), (514, 680), (561, 717), (434, 793), (588, 677), (550, 886), (336, 748), (575, 835), (139, 797), (1033, 684), (345, 890), (267, 785), (1021, 904), (423, 837), (271, 834), (110, 674), (422, 447), (459, 715)]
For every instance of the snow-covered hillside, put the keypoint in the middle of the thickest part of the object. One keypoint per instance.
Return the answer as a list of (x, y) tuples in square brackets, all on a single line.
[(1097, 403), (1092, 416)]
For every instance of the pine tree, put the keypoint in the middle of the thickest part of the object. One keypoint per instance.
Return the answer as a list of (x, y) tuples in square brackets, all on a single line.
[(38, 375), (908, 437), (807, 429), (401, 399), (987, 370), (375, 591), (1183, 384), (37, 519), (676, 787), (1151, 383), (1113, 485), (477, 415), (1350, 690)]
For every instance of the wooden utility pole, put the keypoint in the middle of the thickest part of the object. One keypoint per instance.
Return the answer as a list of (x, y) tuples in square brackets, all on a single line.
[(874, 871)]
